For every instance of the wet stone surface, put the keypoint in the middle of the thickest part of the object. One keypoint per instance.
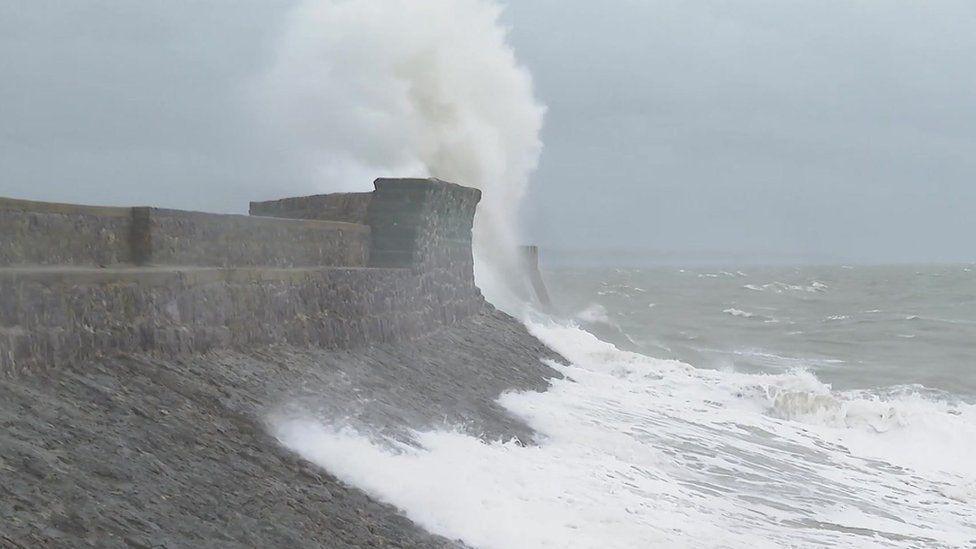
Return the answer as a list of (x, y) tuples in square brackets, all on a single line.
[(144, 452)]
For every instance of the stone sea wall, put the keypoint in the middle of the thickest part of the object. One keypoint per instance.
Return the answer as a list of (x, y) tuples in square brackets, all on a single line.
[(202, 239), (77, 283), (348, 207), (42, 233), (65, 315)]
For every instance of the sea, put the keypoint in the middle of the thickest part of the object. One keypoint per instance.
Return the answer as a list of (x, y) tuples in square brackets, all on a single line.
[(759, 407)]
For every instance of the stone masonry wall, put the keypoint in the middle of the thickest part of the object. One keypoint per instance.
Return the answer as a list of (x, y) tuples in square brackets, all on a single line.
[(426, 224), (419, 234), (202, 239), (60, 316), (348, 207), (41, 233)]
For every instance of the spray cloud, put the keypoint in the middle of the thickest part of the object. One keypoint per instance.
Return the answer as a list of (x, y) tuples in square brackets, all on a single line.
[(369, 88)]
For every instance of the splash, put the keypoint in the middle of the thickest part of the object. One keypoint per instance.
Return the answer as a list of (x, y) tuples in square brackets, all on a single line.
[(367, 88), (636, 452)]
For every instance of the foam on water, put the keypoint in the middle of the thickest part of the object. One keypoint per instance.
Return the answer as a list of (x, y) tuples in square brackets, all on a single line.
[(738, 312), (635, 452)]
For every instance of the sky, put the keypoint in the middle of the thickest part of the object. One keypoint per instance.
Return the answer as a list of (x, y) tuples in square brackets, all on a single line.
[(740, 131)]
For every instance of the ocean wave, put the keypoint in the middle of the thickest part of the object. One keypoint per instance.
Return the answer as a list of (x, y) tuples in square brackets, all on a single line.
[(745, 314), (622, 290), (739, 313), (637, 452), (778, 362), (781, 287)]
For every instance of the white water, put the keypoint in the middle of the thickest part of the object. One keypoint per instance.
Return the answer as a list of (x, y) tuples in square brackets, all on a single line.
[(641, 452), (366, 88), (632, 451)]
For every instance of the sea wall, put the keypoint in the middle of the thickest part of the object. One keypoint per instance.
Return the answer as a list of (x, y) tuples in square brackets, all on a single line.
[(146, 280), (348, 207), (202, 239), (42, 233)]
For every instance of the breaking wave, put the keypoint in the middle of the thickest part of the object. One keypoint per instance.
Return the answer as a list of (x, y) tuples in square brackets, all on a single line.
[(780, 287), (634, 451), (366, 88)]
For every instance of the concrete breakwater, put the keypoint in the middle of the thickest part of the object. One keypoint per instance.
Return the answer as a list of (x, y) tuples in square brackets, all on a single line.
[(139, 438), (330, 271)]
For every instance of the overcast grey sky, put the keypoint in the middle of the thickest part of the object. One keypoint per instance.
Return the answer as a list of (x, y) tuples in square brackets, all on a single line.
[(777, 130)]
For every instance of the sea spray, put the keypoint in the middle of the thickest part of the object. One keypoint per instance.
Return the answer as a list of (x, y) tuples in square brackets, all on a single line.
[(367, 88)]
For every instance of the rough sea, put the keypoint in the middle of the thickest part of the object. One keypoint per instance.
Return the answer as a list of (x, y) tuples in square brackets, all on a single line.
[(747, 407)]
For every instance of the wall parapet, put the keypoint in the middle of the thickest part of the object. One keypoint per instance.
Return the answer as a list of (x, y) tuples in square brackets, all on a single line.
[(40, 233), (80, 282), (348, 207), (44, 233), (193, 238)]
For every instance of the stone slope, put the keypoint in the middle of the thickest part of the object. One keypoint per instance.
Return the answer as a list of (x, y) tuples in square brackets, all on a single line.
[(143, 452)]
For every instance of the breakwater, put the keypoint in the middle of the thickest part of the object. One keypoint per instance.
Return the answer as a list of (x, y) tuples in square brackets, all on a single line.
[(177, 336), (330, 271)]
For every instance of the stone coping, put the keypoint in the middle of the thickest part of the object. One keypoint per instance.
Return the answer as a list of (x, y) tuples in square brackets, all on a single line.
[(65, 209), (165, 275), (36, 206), (265, 219)]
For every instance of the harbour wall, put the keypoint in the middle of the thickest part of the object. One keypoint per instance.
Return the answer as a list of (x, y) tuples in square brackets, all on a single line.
[(331, 271)]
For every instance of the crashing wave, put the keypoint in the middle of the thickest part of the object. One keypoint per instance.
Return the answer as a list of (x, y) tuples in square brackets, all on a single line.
[(635, 452)]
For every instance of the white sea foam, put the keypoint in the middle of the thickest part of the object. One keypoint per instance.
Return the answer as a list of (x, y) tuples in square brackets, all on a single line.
[(640, 452), (738, 312), (745, 314), (783, 287)]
